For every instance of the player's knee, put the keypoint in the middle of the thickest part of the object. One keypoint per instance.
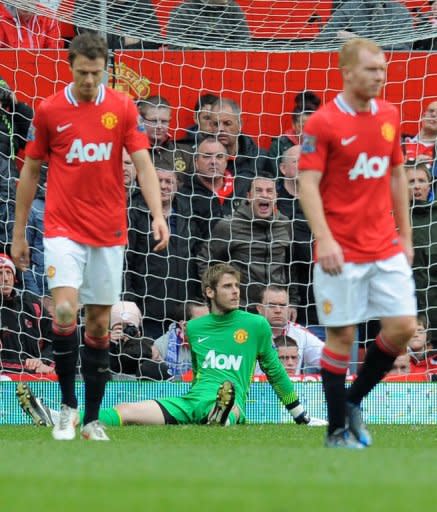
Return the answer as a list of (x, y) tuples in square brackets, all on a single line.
[(65, 313), (401, 331)]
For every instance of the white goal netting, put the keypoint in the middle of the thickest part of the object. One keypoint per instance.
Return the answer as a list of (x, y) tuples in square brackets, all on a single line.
[(262, 55)]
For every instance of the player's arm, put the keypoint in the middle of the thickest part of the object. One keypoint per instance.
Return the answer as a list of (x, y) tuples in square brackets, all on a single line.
[(277, 376), (329, 252), (399, 193), (149, 185), (29, 178)]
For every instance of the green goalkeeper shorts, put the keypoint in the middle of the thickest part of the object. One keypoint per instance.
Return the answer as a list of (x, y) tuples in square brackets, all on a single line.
[(190, 408)]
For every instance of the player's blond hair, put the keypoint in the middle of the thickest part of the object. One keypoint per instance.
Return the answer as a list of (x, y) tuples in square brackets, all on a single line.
[(214, 273), (349, 53)]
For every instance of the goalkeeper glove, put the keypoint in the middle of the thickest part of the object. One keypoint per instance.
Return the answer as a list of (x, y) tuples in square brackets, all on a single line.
[(299, 414)]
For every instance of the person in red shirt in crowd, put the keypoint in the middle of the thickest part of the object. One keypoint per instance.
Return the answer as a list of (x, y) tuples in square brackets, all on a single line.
[(423, 359), (21, 28), (424, 143), (351, 180), (83, 129)]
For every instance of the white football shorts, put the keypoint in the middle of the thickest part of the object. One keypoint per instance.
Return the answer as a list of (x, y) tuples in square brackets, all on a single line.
[(95, 271), (364, 291)]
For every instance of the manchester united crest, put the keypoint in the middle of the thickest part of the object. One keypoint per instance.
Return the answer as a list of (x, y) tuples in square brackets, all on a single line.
[(109, 120), (241, 336), (179, 164), (51, 271), (327, 307), (388, 132)]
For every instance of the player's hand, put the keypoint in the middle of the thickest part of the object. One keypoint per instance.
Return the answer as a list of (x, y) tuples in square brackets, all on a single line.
[(330, 256), (302, 419), (408, 249), (160, 233), (20, 253)]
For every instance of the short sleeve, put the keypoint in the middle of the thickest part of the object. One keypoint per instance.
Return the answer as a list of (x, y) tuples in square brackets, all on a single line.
[(37, 137), (314, 145), (134, 139)]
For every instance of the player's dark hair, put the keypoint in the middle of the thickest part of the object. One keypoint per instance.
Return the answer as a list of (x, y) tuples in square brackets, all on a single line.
[(305, 102), (285, 341), (205, 99), (90, 45), (213, 274)]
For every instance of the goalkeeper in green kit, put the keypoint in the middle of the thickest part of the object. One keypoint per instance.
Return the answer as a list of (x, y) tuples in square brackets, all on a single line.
[(225, 346)]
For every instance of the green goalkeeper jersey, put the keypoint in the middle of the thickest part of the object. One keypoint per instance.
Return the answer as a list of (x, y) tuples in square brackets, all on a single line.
[(227, 347)]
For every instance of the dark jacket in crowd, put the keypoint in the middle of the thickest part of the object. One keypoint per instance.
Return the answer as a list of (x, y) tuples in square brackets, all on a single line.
[(249, 162), (156, 281), (424, 220), (261, 249), (24, 331), (290, 207)]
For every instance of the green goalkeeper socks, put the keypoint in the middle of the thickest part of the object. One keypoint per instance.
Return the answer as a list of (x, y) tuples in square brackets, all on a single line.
[(109, 417)]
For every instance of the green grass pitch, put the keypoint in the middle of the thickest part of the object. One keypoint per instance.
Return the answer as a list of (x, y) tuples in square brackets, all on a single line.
[(270, 468)]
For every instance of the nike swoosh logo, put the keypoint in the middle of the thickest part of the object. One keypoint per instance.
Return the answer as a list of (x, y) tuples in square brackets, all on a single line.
[(61, 128), (200, 340), (346, 142)]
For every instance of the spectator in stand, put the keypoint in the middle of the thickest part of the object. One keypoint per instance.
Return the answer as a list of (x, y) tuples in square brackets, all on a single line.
[(288, 353), (157, 281), (173, 346), (424, 222), (289, 205), (21, 28), (425, 142), (125, 16), (257, 240), (422, 357), (428, 21), (15, 118), (305, 103), (130, 352), (34, 278), (208, 195), (372, 19), (274, 305), (207, 23), (25, 330), (246, 158), (202, 119), (155, 113), (401, 366)]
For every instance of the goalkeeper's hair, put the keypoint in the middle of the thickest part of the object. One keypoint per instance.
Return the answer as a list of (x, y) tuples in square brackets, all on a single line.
[(350, 51), (90, 45), (213, 274)]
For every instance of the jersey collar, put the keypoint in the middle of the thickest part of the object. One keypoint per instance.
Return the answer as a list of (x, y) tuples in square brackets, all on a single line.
[(68, 91), (347, 109)]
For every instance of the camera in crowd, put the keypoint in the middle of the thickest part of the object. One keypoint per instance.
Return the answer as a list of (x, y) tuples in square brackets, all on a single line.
[(132, 331)]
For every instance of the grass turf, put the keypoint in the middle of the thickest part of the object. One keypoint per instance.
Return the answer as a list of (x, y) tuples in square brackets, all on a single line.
[(271, 468)]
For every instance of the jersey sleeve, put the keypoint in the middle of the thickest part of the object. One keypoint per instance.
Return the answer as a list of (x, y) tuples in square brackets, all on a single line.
[(314, 145), (38, 135), (272, 367), (397, 157), (134, 139)]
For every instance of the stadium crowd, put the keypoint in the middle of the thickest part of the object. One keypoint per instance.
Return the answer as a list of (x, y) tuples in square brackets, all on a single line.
[(225, 199)]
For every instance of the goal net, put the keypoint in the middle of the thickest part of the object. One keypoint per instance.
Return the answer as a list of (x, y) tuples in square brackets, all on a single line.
[(263, 55)]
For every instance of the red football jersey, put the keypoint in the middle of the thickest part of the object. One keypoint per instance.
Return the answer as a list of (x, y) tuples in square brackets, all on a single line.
[(83, 142), (355, 152)]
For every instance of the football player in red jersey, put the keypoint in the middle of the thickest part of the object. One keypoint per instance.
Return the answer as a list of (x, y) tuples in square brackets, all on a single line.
[(354, 193), (82, 130)]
